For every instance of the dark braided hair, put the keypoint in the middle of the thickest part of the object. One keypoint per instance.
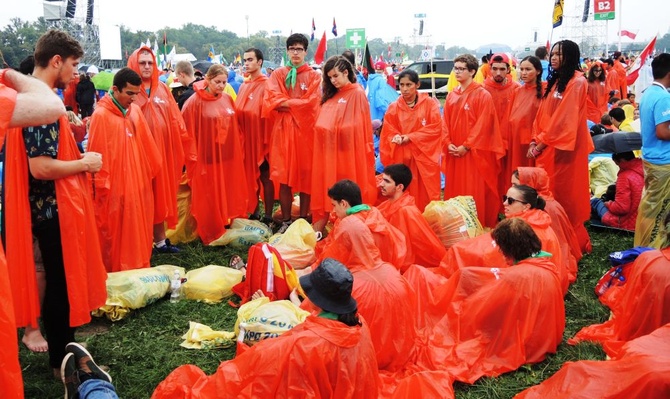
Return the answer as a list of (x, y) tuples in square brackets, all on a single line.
[(535, 62), (570, 63)]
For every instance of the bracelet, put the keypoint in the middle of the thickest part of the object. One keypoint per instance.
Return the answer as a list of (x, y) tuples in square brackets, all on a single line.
[(533, 143), (535, 152)]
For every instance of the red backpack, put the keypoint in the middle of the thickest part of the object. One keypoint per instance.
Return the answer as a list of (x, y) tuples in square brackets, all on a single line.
[(266, 271)]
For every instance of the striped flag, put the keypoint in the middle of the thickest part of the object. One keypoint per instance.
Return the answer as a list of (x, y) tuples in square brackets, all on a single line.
[(334, 28), (640, 61), (311, 39)]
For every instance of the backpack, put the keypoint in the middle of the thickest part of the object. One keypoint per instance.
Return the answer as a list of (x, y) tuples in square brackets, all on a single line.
[(618, 273), (266, 271)]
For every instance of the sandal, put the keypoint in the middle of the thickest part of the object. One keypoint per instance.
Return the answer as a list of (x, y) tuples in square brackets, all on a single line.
[(236, 263)]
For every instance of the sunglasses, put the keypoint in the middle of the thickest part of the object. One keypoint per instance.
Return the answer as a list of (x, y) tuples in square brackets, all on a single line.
[(511, 200)]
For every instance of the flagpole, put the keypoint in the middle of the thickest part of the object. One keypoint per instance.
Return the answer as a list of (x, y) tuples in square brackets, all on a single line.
[(607, 39), (620, 19)]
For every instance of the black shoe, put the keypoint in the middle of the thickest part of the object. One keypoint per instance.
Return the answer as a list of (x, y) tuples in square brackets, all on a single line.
[(69, 374), (85, 363), (168, 248)]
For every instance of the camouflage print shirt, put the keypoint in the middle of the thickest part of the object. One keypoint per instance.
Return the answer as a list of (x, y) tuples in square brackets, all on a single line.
[(42, 141)]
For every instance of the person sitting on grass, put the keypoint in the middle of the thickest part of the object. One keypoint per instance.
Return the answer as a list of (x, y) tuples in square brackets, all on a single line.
[(621, 212), (495, 319), (329, 355), (82, 377)]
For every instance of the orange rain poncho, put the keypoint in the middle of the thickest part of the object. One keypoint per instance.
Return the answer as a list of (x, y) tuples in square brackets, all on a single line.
[(423, 126), (570, 250), (292, 138), (385, 299), (214, 162), (561, 125), (496, 319), (167, 128), (423, 246), (639, 369), (596, 101), (521, 118), (639, 306), (11, 380), (343, 148), (483, 251), (319, 358), (123, 195), (503, 96), (470, 120), (84, 270), (255, 132)]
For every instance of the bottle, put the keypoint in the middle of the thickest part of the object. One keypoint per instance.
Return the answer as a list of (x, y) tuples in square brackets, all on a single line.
[(175, 287)]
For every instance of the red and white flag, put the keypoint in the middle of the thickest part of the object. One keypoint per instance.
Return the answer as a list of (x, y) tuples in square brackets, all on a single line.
[(628, 33), (640, 61)]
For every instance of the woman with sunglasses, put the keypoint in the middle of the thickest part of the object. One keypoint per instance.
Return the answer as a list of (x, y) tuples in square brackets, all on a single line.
[(523, 202), (597, 94)]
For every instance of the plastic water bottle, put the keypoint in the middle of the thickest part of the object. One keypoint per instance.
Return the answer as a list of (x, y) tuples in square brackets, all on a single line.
[(175, 287)]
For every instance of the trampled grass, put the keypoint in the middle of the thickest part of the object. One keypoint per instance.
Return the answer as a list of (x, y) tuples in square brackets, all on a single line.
[(142, 349)]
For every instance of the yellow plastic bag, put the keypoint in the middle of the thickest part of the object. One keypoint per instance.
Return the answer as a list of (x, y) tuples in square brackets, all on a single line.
[(297, 244), (244, 233), (200, 336), (185, 231), (453, 220), (210, 284), (602, 173), (134, 289), (655, 204), (261, 319)]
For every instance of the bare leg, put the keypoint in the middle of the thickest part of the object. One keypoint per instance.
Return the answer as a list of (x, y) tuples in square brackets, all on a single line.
[(32, 337), (285, 201), (268, 193), (159, 232), (304, 204)]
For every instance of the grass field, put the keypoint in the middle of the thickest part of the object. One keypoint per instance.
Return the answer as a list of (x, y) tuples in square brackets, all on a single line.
[(143, 349)]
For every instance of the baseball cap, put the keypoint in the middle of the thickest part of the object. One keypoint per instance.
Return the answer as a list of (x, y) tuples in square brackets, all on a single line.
[(380, 65)]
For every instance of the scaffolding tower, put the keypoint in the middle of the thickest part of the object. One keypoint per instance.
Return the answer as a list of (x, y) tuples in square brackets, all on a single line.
[(591, 36), (84, 30)]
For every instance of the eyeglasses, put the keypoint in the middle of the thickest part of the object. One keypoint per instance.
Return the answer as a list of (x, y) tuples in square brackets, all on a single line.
[(146, 63), (511, 200), (459, 69), (296, 50)]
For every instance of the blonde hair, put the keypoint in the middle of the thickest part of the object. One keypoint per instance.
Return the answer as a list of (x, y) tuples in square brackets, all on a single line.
[(73, 118), (216, 70)]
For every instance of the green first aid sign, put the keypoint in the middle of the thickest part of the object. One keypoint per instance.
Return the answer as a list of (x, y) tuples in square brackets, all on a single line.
[(356, 38)]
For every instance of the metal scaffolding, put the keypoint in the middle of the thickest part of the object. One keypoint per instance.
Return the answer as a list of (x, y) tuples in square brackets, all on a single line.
[(591, 36), (86, 34)]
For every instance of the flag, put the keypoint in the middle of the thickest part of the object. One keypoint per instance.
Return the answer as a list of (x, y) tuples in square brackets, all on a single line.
[(321, 49), (126, 53), (238, 58), (558, 13), (367, 60), (210, 56), (148, 43), (628, 33), (388, 54), (634, 71), (155, 47), (334, 28), (585, 15), (164, 38), (311, 39)]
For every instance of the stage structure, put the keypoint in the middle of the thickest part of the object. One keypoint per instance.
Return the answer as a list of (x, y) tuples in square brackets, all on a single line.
[(101, 43), (590, 35)]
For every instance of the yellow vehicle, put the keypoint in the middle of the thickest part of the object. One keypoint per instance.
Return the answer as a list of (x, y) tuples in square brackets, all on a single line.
[(437, 70)]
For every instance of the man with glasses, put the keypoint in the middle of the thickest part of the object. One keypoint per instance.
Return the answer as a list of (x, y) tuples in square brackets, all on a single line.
[(167, 127), (292, 99), (473, 143)]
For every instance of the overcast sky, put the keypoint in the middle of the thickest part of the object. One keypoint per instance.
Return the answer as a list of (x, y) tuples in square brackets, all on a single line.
[(467, 23)]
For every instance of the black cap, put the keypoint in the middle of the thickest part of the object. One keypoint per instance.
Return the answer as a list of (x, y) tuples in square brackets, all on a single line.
[(329, 287)]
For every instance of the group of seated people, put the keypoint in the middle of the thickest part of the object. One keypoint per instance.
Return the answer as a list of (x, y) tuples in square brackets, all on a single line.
[(428, 325)]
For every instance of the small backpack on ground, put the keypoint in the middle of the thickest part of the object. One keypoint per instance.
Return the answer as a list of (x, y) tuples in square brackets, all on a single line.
[(618, 273), (266, 271)]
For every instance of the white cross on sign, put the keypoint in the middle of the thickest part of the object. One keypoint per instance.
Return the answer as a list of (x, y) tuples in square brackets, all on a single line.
[(355, 38)]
